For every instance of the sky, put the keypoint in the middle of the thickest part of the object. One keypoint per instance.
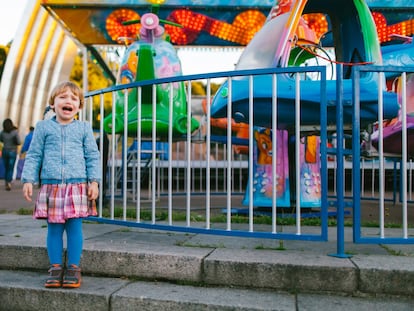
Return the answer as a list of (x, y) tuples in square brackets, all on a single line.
[(11, 13)]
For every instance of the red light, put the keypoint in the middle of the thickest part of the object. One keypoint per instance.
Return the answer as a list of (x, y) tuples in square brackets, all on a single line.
[(117, 30), (405, 28), (243, 28), (318, 23), (241, 31), (192, 25)]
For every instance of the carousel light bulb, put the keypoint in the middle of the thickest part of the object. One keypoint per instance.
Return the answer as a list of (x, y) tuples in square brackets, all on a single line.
[(156, 1)]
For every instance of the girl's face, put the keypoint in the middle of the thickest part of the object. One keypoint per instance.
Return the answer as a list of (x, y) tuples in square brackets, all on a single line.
[(66, 106)]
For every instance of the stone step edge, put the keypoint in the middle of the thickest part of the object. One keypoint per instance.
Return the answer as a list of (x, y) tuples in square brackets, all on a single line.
[(223, 267), (24, 290)]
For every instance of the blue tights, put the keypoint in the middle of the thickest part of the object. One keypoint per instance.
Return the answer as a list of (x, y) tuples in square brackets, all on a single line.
[(74, 237)]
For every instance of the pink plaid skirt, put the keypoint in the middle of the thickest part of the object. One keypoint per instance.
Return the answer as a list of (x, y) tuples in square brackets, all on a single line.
[(56, 203)]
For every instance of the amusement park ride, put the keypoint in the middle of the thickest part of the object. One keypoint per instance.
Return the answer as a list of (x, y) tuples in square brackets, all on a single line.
[(291, 34), (151, 57), (354, 33)]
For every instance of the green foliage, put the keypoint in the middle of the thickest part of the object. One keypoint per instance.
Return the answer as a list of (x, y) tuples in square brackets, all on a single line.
[(198, 88), (24, 211), (4, 51), (161, 215)]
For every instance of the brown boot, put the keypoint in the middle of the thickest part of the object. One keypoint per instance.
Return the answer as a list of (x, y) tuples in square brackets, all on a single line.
[(55, 276), (72, 277)]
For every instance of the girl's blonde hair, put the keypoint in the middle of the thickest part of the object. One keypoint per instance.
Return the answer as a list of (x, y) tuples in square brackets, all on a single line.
[(61, 87)]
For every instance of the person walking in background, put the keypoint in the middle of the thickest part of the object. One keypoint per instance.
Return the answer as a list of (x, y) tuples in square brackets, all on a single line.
[(11, 140), (65, 153), (48, 113), (27, 141), (23, 150)]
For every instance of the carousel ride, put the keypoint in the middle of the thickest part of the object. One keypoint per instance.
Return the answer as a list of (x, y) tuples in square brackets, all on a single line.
[(148, 57)]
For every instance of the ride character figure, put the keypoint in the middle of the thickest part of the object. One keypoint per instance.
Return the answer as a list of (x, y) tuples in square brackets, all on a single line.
[(64, 152)]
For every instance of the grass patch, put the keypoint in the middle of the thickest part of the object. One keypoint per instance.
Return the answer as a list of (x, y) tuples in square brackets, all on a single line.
[(146, 215), (281, 247), (393, 251), (374, 224), (200, 245), (24, 211)]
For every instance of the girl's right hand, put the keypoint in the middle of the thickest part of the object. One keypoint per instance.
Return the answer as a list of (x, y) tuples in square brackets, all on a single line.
[(28, 191)]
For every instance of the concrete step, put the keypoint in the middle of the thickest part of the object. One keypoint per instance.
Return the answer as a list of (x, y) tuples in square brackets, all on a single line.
[(291, 271), (23, 290), (141, 269)]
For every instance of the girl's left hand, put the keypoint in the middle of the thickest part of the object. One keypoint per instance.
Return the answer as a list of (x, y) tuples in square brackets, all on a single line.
[(93, 191), (28, 191)]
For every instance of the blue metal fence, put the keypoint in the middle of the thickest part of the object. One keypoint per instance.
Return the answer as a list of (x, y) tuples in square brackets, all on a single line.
[(335, 115), (400, 159)]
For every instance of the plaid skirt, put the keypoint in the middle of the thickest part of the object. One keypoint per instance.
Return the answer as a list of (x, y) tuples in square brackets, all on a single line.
[(56, 203)]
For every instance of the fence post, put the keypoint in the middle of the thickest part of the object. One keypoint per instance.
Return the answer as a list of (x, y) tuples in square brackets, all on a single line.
[(340, 164)]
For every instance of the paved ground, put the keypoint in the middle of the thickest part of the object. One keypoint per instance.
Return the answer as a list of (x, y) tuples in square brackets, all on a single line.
[(12, 201), (236, 273)]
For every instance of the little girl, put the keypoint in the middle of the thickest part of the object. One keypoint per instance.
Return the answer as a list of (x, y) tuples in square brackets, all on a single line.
[(65, 153)]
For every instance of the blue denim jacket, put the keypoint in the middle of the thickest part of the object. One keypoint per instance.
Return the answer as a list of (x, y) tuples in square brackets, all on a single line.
[(62, 153)]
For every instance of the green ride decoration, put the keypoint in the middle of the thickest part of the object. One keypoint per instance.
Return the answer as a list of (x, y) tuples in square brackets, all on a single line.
[(151, 57)]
